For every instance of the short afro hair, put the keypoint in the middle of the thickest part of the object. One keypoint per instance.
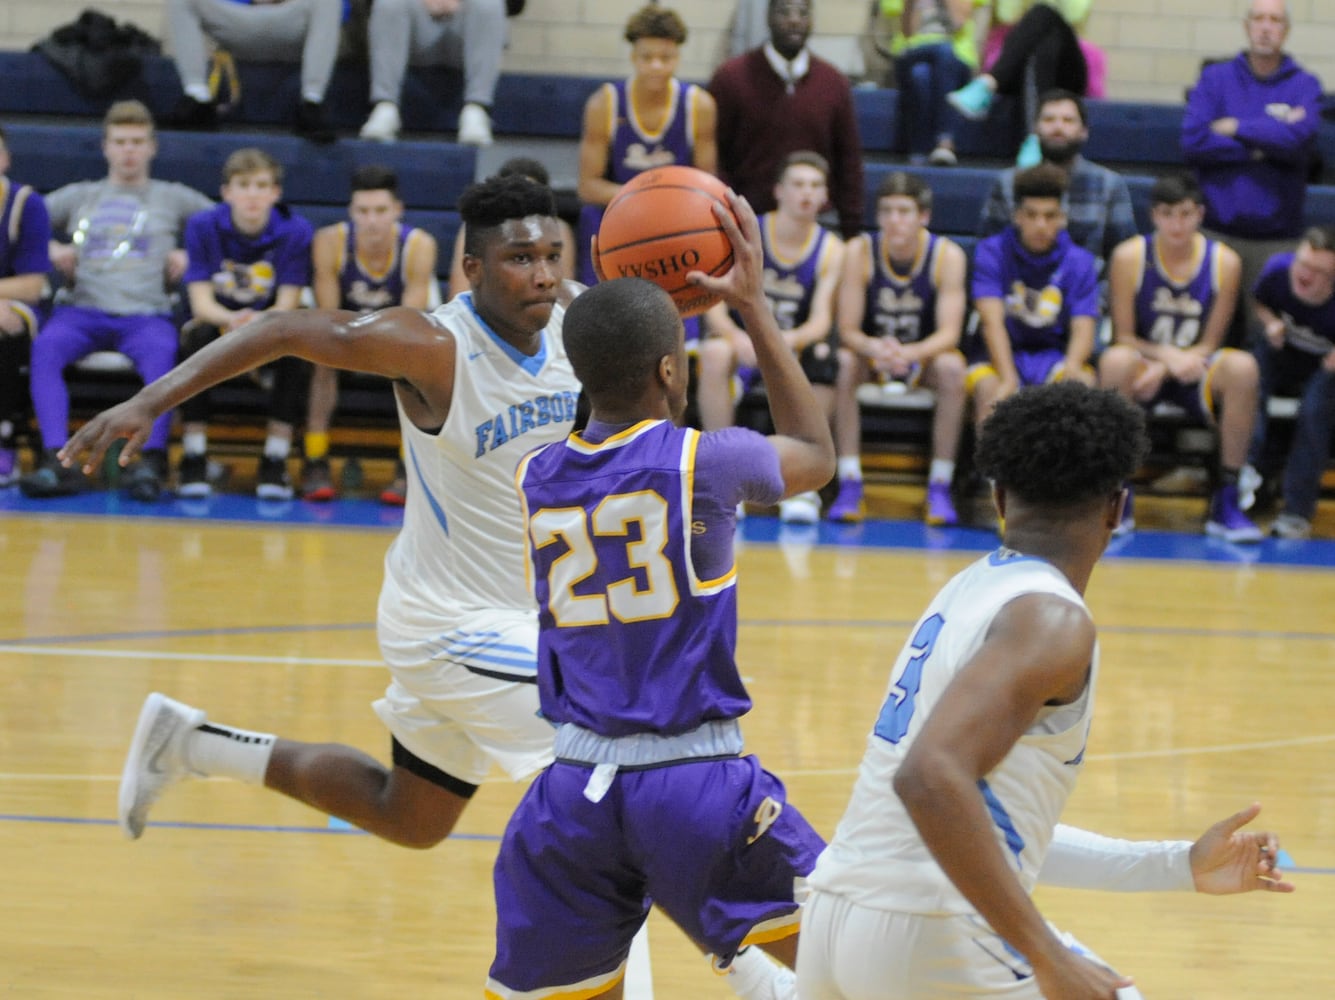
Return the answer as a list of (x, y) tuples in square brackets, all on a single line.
[(615, 334), (486, 205), (654, 21), (1063, 445)]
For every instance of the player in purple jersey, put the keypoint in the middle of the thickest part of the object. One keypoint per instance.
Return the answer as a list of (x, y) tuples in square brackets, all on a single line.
[(25, 229), (248, 256), (802, 264), (901, 315), (372, 261), (1295, 304), (651, 119), (1037, 296), (630, 527), (1172, 295)]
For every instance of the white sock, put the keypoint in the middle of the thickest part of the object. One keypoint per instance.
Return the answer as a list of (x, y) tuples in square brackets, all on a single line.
[(195, 442), (312, 97), (753, 976), (199, 92), (277, 447), (850, 467), (225, 752), (941, 471)]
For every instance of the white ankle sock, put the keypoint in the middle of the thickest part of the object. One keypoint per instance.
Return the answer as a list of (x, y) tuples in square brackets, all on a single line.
[(199, 92), (277, 447), (849, 467), (194, 442), (753, 976), (942, 470), (226, 752)]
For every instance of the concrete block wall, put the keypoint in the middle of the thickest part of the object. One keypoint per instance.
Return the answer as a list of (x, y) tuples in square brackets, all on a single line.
[(1154, 47)]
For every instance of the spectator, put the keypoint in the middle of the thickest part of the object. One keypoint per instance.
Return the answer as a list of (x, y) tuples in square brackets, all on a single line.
[(802, 262), (1037, 296), (534, 171), (122, 260), (781, 98), (901, 315), (651, 119), (1041, 52), (1098, 203), (1250, 132), (1173, 295), (248, 256), (465, 34), (369, 262), (1295, 305), (935, 53), (275, 30), (25, 231)]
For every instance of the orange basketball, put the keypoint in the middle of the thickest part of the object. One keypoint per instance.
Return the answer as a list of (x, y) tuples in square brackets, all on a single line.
[(661, 226)]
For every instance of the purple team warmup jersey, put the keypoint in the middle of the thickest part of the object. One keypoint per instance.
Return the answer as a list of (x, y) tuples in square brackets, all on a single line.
[(898, 305), (362, 290), (25, 231), (790, 285), (247, 271), (1172, 313), (630, 541), (634, 148), (1041, 293), (1308, 329)]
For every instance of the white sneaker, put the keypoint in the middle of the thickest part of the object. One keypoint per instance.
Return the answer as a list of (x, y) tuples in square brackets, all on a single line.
[(801, 509), (156, 760), (1291, 526), (474, 126), (383, 125)]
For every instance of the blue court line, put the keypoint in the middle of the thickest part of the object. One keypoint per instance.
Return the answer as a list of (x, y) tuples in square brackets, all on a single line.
[(343, 829)]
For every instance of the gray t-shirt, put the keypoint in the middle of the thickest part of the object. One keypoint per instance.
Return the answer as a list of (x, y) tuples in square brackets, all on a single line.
[(123, 236)]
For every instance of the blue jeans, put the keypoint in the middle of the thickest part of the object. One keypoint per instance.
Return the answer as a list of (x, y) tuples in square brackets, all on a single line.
[(1291, 372), (925, 74)]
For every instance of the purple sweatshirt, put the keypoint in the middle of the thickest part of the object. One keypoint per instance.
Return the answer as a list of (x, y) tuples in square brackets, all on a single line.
[(1255, 183)]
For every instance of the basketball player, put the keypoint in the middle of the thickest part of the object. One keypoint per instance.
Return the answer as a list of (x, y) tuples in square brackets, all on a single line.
[(802, 260), (630, 527), (924, 890), (901, 314), (478, 382), (651, 119), (372, 261), (1037, 296), (1172, 296)]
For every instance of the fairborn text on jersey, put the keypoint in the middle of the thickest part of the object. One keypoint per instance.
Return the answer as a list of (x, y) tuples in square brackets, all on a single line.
[(523, 417)]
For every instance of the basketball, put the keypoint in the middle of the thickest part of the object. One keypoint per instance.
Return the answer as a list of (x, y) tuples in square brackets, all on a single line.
[(661, 226)]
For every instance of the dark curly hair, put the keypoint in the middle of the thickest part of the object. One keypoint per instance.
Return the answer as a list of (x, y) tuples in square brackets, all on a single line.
[(1062, 445), (487, 204), (654, 21), (615, 333)]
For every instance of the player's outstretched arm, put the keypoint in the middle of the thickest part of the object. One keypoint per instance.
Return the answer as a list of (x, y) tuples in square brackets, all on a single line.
[(802, 438), (1227, 859)]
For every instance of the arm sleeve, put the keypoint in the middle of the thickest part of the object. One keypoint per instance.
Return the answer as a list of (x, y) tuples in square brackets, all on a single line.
[(1286, 142), (62, 203), (1079, 859)]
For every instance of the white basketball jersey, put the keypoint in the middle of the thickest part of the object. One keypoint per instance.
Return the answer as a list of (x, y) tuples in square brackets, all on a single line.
[(877, 857), (462, 544)]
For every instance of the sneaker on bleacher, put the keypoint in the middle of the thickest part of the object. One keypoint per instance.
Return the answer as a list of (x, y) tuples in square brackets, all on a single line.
[(383, 124), (51, 479), (1031, 153), (312, 123), (1226, 519), (973, 100), (474, 126), (317, 484), (274, 482), (1291, 526), (192, 477), (940, 506), (143, 480), (848, 507)]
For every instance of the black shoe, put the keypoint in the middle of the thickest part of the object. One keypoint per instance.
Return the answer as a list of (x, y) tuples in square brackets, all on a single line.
[(144, 479), (191, 115), (193, 477), (316, 482), (51, 479), (274, 483), (311, 123)]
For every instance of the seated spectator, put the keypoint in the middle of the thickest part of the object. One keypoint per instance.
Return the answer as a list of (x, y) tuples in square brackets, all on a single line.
[(465, 34), (122, 260), (1098, 202), (651, 119), (802, 266), (248, 256), (1037, 296), (369, 262), (535, 171), (1295, 304), (901, 315), (1172, 295), (25, 231), (1041, 52), (935, 53), (262, 30)]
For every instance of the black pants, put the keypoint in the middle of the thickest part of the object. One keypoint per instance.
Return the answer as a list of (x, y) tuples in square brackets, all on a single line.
[(15, 406), (1041, 53), (287, 396)]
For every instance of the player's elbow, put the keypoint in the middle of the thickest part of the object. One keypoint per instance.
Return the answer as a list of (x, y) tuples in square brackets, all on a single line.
[(921, 782)]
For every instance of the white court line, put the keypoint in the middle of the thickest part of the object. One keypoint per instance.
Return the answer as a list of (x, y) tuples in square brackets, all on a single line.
[(140, 654)]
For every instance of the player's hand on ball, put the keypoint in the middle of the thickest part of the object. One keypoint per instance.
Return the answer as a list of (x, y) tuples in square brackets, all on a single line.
[(743, 284)]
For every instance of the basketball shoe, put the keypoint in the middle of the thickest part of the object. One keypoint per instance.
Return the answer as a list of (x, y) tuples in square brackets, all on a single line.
[(1226, 519), (156, 760)]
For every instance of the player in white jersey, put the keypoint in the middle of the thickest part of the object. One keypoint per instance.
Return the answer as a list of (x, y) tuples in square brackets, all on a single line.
[(924, 890), (478, 383)]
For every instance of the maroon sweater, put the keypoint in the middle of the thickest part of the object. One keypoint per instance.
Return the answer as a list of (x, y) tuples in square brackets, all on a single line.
[(759, 123)]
